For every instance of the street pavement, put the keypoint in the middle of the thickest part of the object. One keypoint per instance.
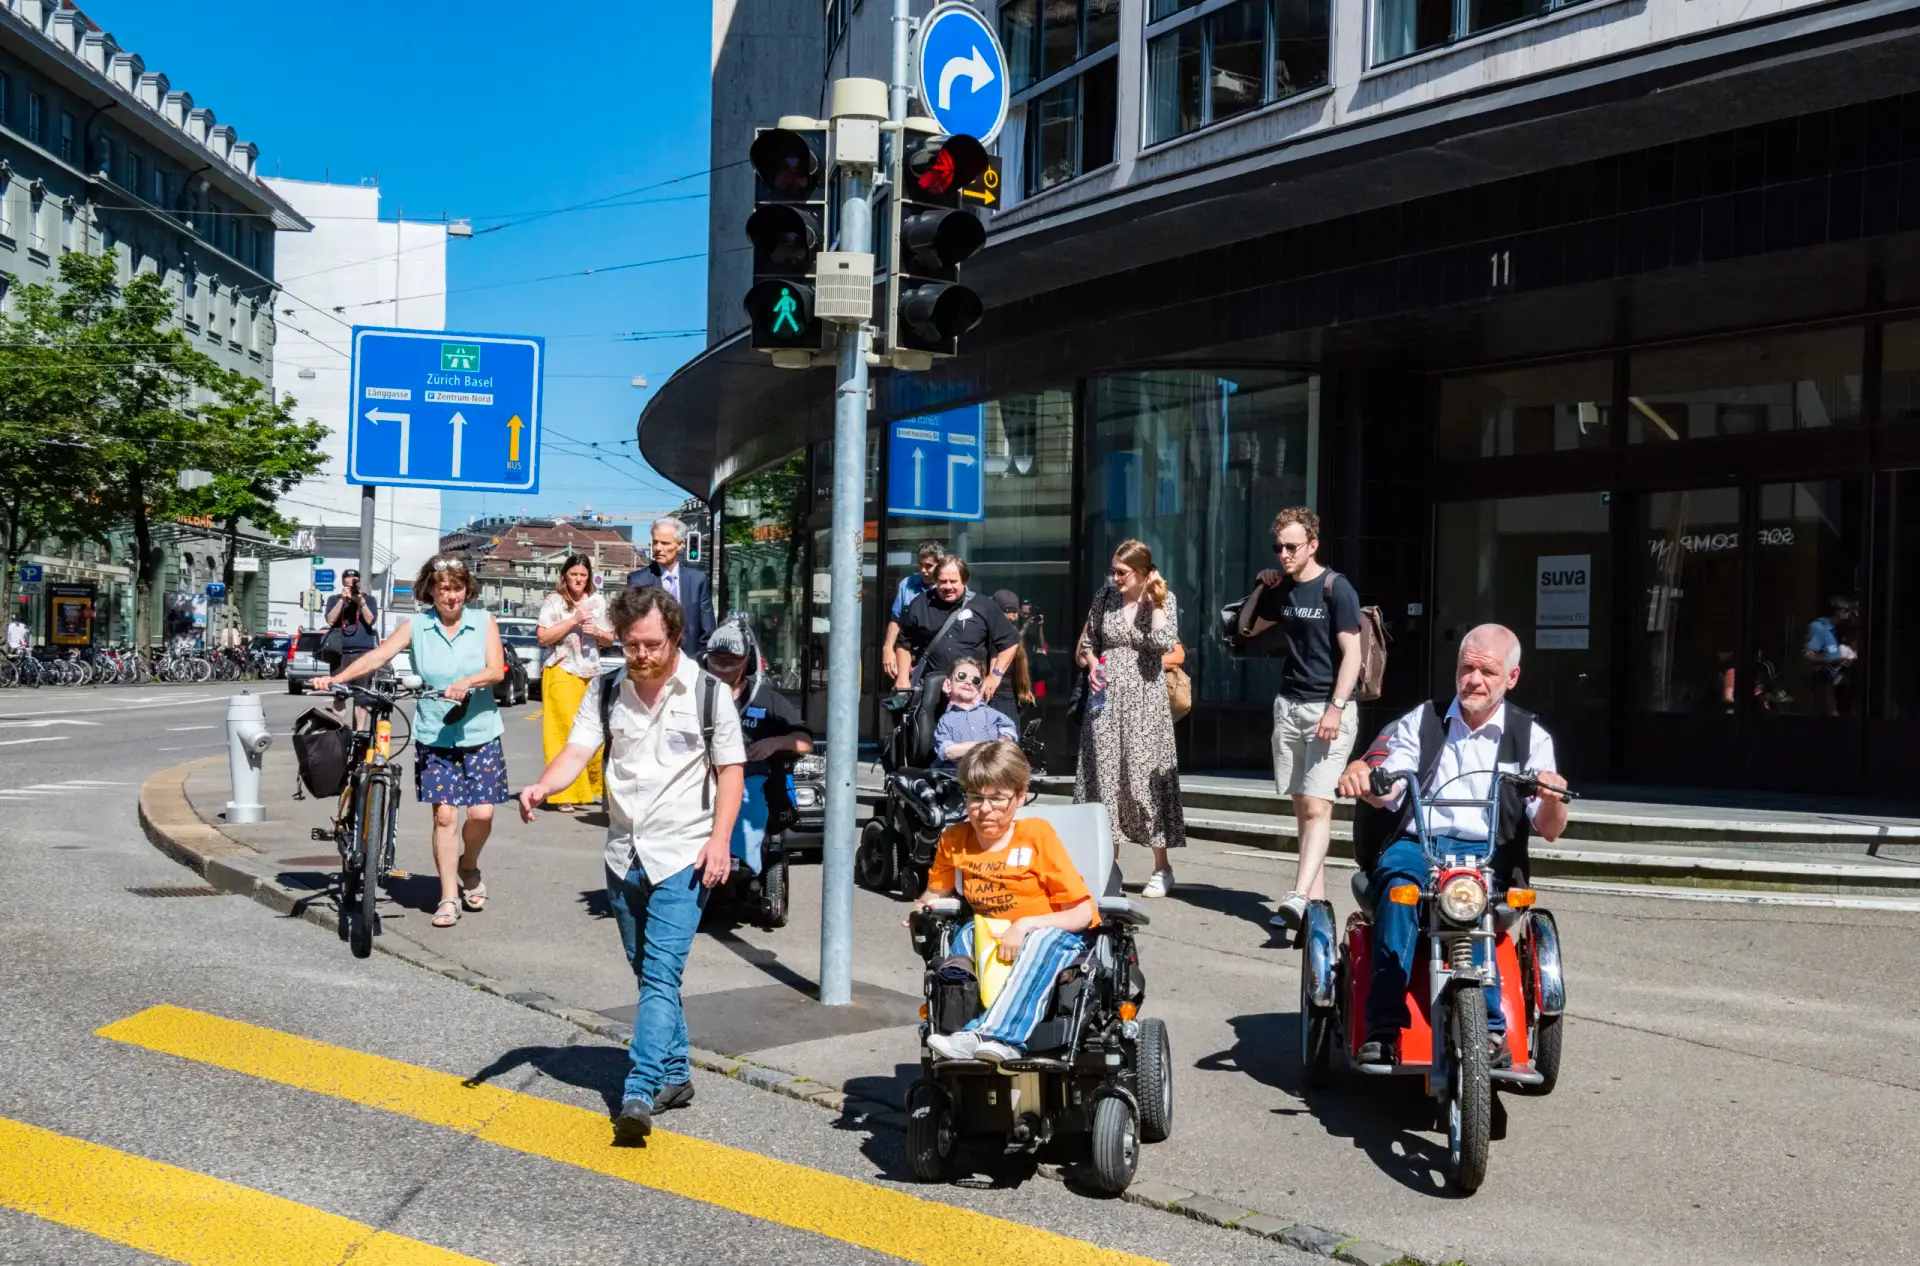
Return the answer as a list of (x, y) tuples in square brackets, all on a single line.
[(1738, 1084), (195, 1078)]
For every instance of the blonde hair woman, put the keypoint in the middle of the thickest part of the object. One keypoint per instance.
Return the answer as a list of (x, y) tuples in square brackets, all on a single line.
[(573, 628), (1127, 759)]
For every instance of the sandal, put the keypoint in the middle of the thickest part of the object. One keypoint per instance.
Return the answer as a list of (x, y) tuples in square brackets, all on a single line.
[(566, 808), (473, 894), (446, 914)]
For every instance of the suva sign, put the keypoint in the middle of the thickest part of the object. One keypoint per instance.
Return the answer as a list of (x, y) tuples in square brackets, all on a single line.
[(963, 73)]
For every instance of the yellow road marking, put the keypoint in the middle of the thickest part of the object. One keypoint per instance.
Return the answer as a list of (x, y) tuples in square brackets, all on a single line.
[(844, 1209), (183, 1216)]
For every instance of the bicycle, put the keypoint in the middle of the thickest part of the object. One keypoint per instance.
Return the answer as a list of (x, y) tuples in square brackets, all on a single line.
[(368, 816)]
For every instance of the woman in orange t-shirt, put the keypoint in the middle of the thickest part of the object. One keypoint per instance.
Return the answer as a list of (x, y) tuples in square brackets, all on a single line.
[(1013, 870)]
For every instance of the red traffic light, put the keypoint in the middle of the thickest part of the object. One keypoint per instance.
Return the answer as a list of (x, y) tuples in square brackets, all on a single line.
[(943, 165)]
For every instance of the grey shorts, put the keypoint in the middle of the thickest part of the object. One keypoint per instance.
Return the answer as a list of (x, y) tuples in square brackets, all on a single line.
[(1304, 765)]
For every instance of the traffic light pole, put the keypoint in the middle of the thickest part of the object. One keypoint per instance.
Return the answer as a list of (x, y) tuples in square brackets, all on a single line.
[(855, 233)]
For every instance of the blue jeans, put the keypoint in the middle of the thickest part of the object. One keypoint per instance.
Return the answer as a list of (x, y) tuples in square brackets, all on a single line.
[(750, 828), (1396, 934), (1028, 989), (657, 923)]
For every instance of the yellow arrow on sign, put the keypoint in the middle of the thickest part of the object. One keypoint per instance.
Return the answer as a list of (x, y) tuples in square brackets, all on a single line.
[(513, 437)]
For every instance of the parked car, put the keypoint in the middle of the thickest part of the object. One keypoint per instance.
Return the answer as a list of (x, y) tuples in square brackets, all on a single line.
[(304, 662), (524, 652)]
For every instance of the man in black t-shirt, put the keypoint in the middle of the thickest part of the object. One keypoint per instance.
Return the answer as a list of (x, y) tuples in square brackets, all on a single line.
[(1313, 715), (980, 631)]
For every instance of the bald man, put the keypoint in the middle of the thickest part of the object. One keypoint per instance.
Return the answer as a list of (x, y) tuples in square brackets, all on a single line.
[(1452, 753)]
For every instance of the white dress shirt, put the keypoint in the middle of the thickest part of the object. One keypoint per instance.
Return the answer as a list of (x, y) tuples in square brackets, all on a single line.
[(656, 770), (1469, 753)]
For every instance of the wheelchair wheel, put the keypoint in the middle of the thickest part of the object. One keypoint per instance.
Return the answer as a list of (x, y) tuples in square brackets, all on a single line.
[(930, 1134), (1154, 1080), (774, 897), (913, 879), (873, 860), (1116, 1145)]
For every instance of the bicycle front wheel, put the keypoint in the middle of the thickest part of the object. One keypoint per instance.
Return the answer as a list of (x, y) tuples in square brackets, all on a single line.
[(373, 829)]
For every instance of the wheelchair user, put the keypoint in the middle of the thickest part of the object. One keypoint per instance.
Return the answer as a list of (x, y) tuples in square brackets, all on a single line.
[(969, 721), (1020, 882)]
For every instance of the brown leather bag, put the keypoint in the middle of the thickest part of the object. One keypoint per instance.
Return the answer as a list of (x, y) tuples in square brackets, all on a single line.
[(1179, 691)]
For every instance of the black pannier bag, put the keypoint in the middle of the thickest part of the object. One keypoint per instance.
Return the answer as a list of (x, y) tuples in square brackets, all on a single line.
[(323, 747)]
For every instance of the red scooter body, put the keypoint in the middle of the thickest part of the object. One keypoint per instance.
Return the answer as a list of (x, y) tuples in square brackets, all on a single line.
[(1416, 1039)]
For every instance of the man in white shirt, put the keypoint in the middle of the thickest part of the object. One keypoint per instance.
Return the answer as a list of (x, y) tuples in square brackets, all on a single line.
[(1482, 733), (671, 805), (16, 635)]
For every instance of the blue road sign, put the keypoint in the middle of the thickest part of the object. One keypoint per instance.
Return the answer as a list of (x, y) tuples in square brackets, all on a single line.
[(323, 579), (216, 592), (963, 73), (934, 466), (438, 409), (31, 573)]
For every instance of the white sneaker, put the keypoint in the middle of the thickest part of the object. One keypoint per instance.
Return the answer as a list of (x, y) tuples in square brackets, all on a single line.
[(1159, 884), (1292, 912), (954, 1045), (994, 1052)]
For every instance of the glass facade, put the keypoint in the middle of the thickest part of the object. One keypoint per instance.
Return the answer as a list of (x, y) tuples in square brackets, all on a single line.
[(1195, 464), (763, 563), (1402, 28), (1537, 409), (1900, 373), (1767, 383)]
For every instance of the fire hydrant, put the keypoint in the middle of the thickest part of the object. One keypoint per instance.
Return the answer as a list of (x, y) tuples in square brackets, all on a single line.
[(247, 742)]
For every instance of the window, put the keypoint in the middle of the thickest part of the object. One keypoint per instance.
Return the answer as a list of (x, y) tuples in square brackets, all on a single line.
[(6, 98), (1898, 635), (67, 150), (34, 110), (1687, 631), (190, 302), (762, 567), (1402, 28), (1900, 374), (36, 224), (136, 173), (1784, 382), (1208, 60), (6, 205), (1064, 54), (160, 189), (1544, 409), (66, 226), (1807, 605), (105, 157), (1196, 464)]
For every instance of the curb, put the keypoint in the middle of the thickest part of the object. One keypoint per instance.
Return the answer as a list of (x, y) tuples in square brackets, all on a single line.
[(172, 825)]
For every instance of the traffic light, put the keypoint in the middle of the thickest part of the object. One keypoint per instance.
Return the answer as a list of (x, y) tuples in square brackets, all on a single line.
[(934, 234), (693, 546), (787, 229)]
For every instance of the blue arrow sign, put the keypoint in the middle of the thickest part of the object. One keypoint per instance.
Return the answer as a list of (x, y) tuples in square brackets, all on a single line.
[(934, 465), (963, 73), (438, 409)]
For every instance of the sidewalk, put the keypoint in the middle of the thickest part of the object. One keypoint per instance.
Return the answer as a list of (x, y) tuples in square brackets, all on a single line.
[(1245, 1131)]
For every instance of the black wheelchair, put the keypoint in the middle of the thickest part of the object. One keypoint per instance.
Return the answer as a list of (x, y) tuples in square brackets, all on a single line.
[(795, 791), (1096, 1081)]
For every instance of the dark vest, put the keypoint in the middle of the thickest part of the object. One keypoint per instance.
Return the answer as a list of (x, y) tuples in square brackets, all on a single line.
[(1374, 829)]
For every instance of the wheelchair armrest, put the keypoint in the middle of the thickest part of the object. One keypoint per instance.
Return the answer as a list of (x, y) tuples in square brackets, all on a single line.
[(1121, 910), (949, 906)]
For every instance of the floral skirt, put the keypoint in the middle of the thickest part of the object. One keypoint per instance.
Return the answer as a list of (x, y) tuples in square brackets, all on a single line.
[(461, 775)]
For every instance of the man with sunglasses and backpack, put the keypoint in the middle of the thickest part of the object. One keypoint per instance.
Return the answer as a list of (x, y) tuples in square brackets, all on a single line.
[(1314, 720)]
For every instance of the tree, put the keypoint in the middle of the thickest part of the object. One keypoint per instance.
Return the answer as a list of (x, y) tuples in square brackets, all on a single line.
[(259, 453), (46, 473), (129, 389)]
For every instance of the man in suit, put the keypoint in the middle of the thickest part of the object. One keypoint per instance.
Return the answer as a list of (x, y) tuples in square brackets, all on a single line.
[(687, 585)]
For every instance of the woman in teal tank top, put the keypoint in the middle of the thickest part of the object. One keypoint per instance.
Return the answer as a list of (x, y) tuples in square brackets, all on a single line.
[(458, 760)]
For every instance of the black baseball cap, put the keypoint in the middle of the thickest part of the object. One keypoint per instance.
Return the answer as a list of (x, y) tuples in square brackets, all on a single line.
[(353, 572)]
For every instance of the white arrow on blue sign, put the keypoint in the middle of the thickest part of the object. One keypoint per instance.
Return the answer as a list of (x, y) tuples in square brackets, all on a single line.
[(935, 465), (439, 409), (963, 73)]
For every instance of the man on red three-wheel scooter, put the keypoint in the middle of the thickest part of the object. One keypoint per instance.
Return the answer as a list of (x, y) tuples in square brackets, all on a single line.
[(1453, 873)]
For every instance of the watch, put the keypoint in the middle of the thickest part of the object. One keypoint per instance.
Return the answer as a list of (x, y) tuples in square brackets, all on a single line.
[(1335, 703), (999, 672)]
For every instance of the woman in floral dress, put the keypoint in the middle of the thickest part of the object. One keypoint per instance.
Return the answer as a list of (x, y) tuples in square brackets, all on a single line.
[(1127, 759)]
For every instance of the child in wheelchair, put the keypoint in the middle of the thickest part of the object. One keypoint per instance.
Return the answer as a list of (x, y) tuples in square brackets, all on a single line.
[(1024, 891)]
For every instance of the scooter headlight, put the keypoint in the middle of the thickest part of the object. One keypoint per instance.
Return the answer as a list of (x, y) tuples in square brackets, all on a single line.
[(1463, 899)]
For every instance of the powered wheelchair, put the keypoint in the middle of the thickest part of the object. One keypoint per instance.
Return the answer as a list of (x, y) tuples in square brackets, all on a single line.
[(1096, 1082)]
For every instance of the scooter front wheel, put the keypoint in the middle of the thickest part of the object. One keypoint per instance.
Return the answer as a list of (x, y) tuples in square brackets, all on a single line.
[(1469, 1103)]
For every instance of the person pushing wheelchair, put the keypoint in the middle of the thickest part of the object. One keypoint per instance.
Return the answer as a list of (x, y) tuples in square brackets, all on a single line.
[(1453, 751), (1018, 877)]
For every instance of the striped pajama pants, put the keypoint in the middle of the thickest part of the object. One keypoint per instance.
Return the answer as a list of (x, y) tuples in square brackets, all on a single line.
[(1022, 1002)]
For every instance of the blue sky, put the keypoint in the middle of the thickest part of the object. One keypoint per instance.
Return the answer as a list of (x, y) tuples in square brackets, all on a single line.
[(488, 110)]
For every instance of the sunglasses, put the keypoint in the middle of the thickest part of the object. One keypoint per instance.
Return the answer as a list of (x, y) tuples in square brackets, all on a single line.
[(448, 564), (1285, 547), (967, 679)]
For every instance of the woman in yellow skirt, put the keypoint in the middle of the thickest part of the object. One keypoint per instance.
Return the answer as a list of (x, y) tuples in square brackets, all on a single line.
[(573, 628)]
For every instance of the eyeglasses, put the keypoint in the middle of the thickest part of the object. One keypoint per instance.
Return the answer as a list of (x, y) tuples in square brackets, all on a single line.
[(1288, 547), (998, 800), (448, 564), (967, 679)]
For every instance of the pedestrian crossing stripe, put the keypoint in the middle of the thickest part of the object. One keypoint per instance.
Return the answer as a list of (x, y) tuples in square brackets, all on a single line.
[(185, 1216), (846, 1209)]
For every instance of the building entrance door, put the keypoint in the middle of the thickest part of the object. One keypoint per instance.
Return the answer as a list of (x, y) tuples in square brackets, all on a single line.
[(1745, 637)]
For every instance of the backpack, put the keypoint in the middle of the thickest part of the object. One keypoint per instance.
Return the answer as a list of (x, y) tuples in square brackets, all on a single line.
[(1373, 647), (323, 749), (610, 690)]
